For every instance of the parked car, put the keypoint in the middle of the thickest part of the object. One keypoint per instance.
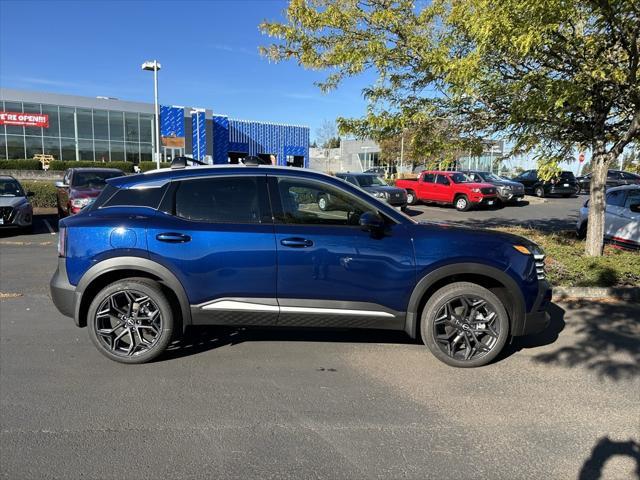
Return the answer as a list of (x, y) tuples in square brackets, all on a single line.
[(615, 178), (452, 188), (383, 170), (622, 217), (15, 207), (247, 245), (374, 185), (508, 190), (565, 185), (80, 187)]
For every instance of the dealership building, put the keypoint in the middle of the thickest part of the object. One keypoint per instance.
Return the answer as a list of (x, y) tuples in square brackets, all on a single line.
[(104, 129)]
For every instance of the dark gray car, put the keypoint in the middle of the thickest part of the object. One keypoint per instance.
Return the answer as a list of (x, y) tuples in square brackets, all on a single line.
[(508, 190), (15, 207), (377, 187)]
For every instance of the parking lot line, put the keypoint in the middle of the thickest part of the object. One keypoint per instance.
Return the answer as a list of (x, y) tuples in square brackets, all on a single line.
[(46, 222)]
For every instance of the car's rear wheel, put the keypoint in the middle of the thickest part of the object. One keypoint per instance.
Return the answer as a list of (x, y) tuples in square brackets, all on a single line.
[(464, 325), (131, 321), (539, 191), (462, 203), (411, 197)]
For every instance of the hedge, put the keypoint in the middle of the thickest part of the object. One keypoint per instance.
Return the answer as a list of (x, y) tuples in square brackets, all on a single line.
[(20, 165), (45, 193), (146, 166), (60, 165)]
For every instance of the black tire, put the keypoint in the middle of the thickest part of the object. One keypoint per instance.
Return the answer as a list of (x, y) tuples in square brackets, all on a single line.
[(492, 335), (323, 203), (539, 191), (581, 233), (140, 353), (411, 197), (462, 203)]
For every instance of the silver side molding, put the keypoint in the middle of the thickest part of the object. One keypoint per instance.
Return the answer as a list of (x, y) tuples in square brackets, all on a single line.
[(271, 306)]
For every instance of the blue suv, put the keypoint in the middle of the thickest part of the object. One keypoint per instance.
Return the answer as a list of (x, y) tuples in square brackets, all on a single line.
[(249, 246)]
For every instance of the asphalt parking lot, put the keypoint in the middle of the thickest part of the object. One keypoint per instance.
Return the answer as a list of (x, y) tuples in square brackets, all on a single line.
[(235, 403)]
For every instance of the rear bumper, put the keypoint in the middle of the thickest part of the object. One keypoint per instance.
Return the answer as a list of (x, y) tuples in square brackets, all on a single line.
[(538, 318), (63, 293)]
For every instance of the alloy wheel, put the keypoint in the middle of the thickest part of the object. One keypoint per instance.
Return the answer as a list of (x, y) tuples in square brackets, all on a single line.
[(322, 203), (128, 323), (461, 203), (466, 328)]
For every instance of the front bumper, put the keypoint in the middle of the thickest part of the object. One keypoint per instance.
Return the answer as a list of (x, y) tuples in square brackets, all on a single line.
[(17, 218), (484, 199), (538, 318), (63, 293)]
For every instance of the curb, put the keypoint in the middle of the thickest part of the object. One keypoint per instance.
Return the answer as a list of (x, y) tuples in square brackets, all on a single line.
[(627, 294)]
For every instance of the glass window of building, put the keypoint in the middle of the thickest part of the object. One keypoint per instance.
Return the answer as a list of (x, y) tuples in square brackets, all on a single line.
[(67, 122), (102, 151), (15, 147), (51, 146), (85, 125), (85, 149), (117, 151), (116, 126), (101, 125), (12, 129), (33, 145), (54, 123), (68, 149), (133, 152), (131, 127), (32, 108), (145, 152), (146, 128), (3, 146)]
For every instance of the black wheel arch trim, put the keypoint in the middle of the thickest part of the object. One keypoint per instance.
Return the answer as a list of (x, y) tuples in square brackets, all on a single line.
[(517, 310), (133, 263)]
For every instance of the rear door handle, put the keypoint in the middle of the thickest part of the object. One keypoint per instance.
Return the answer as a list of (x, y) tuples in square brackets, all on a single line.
[(296, 242), (173, 237)]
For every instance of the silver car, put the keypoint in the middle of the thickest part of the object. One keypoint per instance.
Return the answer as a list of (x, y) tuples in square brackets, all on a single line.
[(15, 207), (622, 217)]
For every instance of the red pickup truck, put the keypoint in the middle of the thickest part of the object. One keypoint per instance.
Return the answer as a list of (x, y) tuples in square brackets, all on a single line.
[(453, 188)]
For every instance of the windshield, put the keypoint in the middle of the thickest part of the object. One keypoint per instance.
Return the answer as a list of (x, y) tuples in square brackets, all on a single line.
[(460, 178), (371, 181), (10, 188), (93, 179)]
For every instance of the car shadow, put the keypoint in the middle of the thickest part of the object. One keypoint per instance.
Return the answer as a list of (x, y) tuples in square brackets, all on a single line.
[(199, 339), (547, 337)]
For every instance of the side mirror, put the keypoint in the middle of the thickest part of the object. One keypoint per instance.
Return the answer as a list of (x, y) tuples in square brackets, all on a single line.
[(61, 184), (372, 222), (635, 207), (30, 194)]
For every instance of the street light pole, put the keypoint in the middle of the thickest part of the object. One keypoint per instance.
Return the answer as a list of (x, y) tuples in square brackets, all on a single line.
[(154, 66)]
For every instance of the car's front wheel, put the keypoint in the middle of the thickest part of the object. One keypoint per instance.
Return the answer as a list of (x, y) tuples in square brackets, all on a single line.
[(464, 325), (462, 203), (411, 197), (323, 203), (539, 191), (131, 321)]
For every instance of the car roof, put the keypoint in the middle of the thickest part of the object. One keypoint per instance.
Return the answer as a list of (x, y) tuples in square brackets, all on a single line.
[(357, 174), (8, 177), (623, 187), (156, 178), (95, 169)]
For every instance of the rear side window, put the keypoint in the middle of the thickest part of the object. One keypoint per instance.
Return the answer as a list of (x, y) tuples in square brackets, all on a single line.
[(223, 200), (616, 199), (428, 177), (136, 197), (567, 176)]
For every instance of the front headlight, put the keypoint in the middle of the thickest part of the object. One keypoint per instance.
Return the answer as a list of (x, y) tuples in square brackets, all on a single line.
[(380, 194), (80, 202), (475, 190), (506, 188)]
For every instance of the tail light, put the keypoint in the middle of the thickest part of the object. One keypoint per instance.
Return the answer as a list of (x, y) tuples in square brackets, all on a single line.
[(62, 242)]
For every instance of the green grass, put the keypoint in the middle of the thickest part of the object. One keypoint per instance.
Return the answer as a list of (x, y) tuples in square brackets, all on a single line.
[(568, 266)]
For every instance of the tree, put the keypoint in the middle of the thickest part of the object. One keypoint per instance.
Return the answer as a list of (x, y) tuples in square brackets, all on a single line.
[(631, 161), (549, 75), (327, 135)]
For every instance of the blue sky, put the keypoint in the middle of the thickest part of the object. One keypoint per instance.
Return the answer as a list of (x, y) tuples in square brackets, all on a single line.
[(208, 51)]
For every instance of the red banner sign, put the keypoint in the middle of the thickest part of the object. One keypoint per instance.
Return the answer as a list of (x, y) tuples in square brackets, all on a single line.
[(24, 119)]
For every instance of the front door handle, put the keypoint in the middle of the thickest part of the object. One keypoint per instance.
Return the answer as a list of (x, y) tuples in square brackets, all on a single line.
[(173, 237), (296, 242)]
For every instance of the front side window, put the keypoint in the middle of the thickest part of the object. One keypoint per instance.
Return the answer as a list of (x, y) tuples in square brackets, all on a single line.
[(371, 181), (459, 178), (630, 176), (313, 203), (633, 198), (222, 200), (442, 180)]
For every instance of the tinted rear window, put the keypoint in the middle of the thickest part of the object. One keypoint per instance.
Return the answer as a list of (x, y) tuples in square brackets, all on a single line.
[(93, 179), (145, 197), (567, 176)]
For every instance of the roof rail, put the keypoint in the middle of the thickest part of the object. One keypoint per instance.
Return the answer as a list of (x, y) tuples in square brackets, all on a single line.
[(182, 162)]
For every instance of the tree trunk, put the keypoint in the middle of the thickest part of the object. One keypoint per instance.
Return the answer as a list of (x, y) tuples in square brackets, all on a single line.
[(597, 204)]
